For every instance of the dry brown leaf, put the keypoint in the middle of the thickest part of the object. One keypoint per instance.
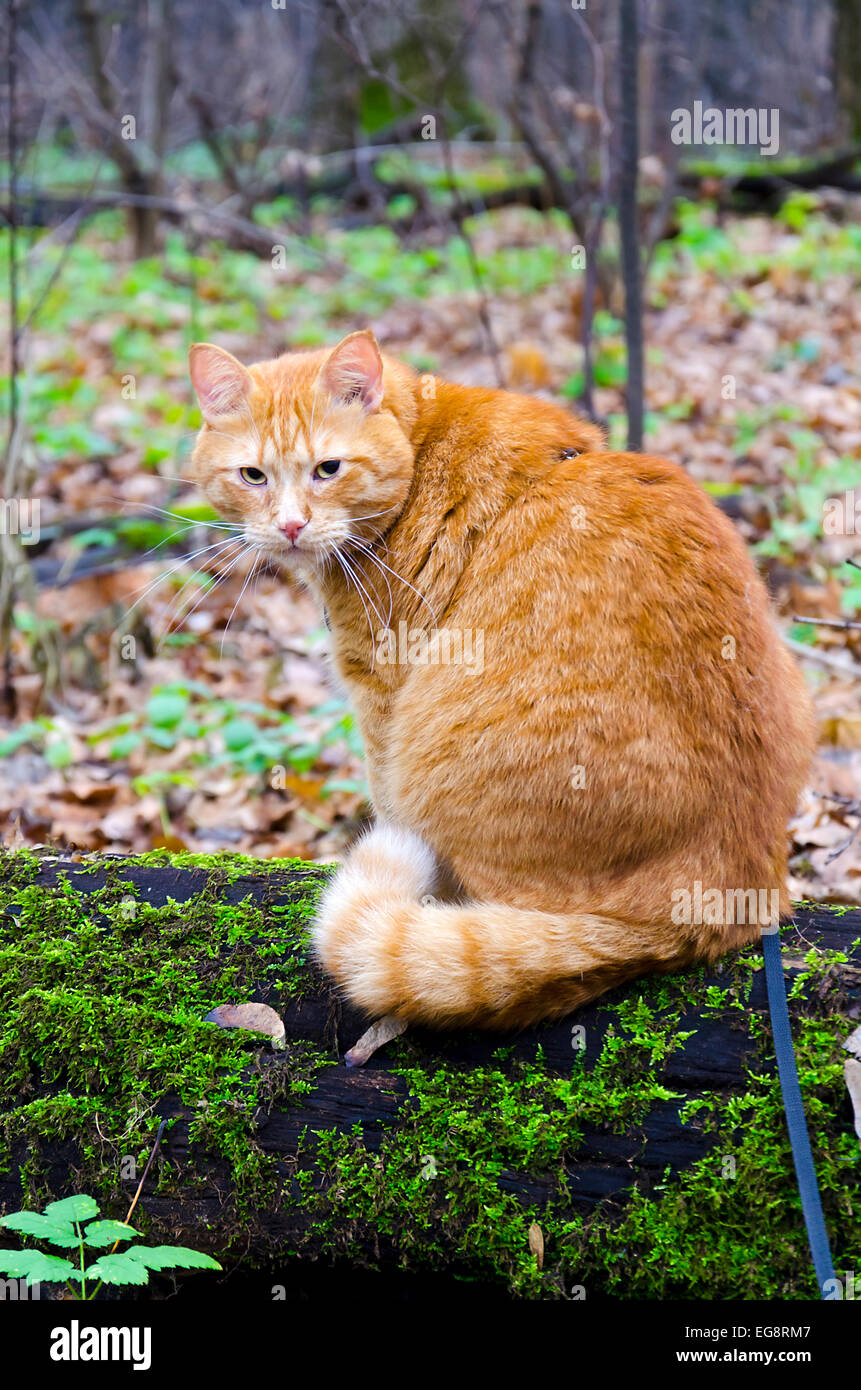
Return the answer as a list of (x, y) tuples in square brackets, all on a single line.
[(255, 1018), (527, 366), (83, 789), (844, 730), (852, 1075), (174, 844), (536, 1243), (377, 1035)]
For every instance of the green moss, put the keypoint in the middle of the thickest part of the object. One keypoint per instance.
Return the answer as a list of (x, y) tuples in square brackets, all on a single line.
[(102, 1001), (233, 866), (447, 1187), (229, 866), (731, 1225), (436, 1187)]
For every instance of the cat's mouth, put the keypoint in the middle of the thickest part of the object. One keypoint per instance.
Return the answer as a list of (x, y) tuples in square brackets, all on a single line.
[(283, 550), (302, 550)]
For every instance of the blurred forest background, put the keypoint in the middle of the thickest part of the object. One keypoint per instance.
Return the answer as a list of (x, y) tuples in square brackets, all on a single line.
[(449, 172)]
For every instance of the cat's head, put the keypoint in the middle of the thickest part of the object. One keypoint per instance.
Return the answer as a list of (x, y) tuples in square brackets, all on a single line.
[(303, 451)]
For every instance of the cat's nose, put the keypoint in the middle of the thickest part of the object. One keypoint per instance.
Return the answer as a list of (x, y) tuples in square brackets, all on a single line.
[(292, 527)]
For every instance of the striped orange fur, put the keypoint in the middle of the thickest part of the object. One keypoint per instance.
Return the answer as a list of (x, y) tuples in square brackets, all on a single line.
[(634, 726)]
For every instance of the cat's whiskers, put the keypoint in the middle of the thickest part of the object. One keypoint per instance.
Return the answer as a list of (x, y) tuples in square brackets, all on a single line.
[(347, 574), (178, 516), (373, 558), (372, 515), (180, 531), (367, 551), (172, 537), (222, 574), (374, 536), (355, 570), (259, 576), (222, 571), (239, 599), (216, 546)]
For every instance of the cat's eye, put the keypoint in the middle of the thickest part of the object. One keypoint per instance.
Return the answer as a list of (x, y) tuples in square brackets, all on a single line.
[(255, 476), (327, 469)]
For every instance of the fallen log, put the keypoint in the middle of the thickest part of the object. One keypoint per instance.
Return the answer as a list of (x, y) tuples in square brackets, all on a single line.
[(753, 189), (635, 1149)]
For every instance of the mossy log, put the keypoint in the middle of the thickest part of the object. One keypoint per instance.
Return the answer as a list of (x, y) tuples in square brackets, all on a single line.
[(635, 1149)]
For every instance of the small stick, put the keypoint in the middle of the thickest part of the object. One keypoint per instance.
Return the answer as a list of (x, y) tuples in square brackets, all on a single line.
[(153, 1152), (844, 845), (841, 665), (843, 623), (850, 805)]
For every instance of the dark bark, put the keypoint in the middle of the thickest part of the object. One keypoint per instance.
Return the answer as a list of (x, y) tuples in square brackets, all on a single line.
[(712, 1061), (847, 63), (629, 50)]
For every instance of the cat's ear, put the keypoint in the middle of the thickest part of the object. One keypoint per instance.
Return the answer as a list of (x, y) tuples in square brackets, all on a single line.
[(222, 384), (354, 371)]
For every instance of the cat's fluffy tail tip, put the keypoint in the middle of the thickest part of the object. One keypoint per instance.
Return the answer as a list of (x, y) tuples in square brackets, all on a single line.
[(389, 865)]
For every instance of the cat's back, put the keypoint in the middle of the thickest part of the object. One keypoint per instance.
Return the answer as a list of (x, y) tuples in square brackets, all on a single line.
[(469, 426), (483, 444), (618, 560)]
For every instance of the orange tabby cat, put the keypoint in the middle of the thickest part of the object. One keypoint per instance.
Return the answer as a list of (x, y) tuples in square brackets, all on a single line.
[(583, 735)]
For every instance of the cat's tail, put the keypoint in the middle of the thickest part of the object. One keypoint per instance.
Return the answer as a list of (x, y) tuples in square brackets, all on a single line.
[(393, 950)]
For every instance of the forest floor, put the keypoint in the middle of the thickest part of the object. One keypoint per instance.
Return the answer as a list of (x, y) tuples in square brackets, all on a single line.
[(217, 729)]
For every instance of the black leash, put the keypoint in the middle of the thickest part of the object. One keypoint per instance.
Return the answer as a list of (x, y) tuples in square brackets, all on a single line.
[(805, 1172)]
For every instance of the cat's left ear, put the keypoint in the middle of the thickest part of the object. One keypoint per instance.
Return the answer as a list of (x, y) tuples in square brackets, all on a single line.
[(221, 382), (354, 371)]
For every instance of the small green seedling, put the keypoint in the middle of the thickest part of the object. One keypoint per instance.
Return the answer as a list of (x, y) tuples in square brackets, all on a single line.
[(70, 1225)]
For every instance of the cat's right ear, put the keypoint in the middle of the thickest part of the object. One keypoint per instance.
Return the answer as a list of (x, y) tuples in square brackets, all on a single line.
[(221, 382), (354, 371)]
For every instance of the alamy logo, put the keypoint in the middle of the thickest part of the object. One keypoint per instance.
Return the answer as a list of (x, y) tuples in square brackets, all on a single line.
[(842, 515), (19, 1291), (735, 126), (76, 1343), (725, 907), (442, 646), (837, 1288), (19, 516)]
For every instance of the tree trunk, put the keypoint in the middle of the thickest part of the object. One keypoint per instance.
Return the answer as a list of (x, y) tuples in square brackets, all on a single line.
[(636, 1148), (632, 275), (847, 64)]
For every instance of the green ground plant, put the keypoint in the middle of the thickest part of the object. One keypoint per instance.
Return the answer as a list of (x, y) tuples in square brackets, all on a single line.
[(72, 1224)]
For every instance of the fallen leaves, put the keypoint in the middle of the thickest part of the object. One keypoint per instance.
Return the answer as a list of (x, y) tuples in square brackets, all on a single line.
[(826, 832), (766, 318), (852, 1075), (254, 1018), (381, 1032), (185, 796), (843, 730), (536, 1244)]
